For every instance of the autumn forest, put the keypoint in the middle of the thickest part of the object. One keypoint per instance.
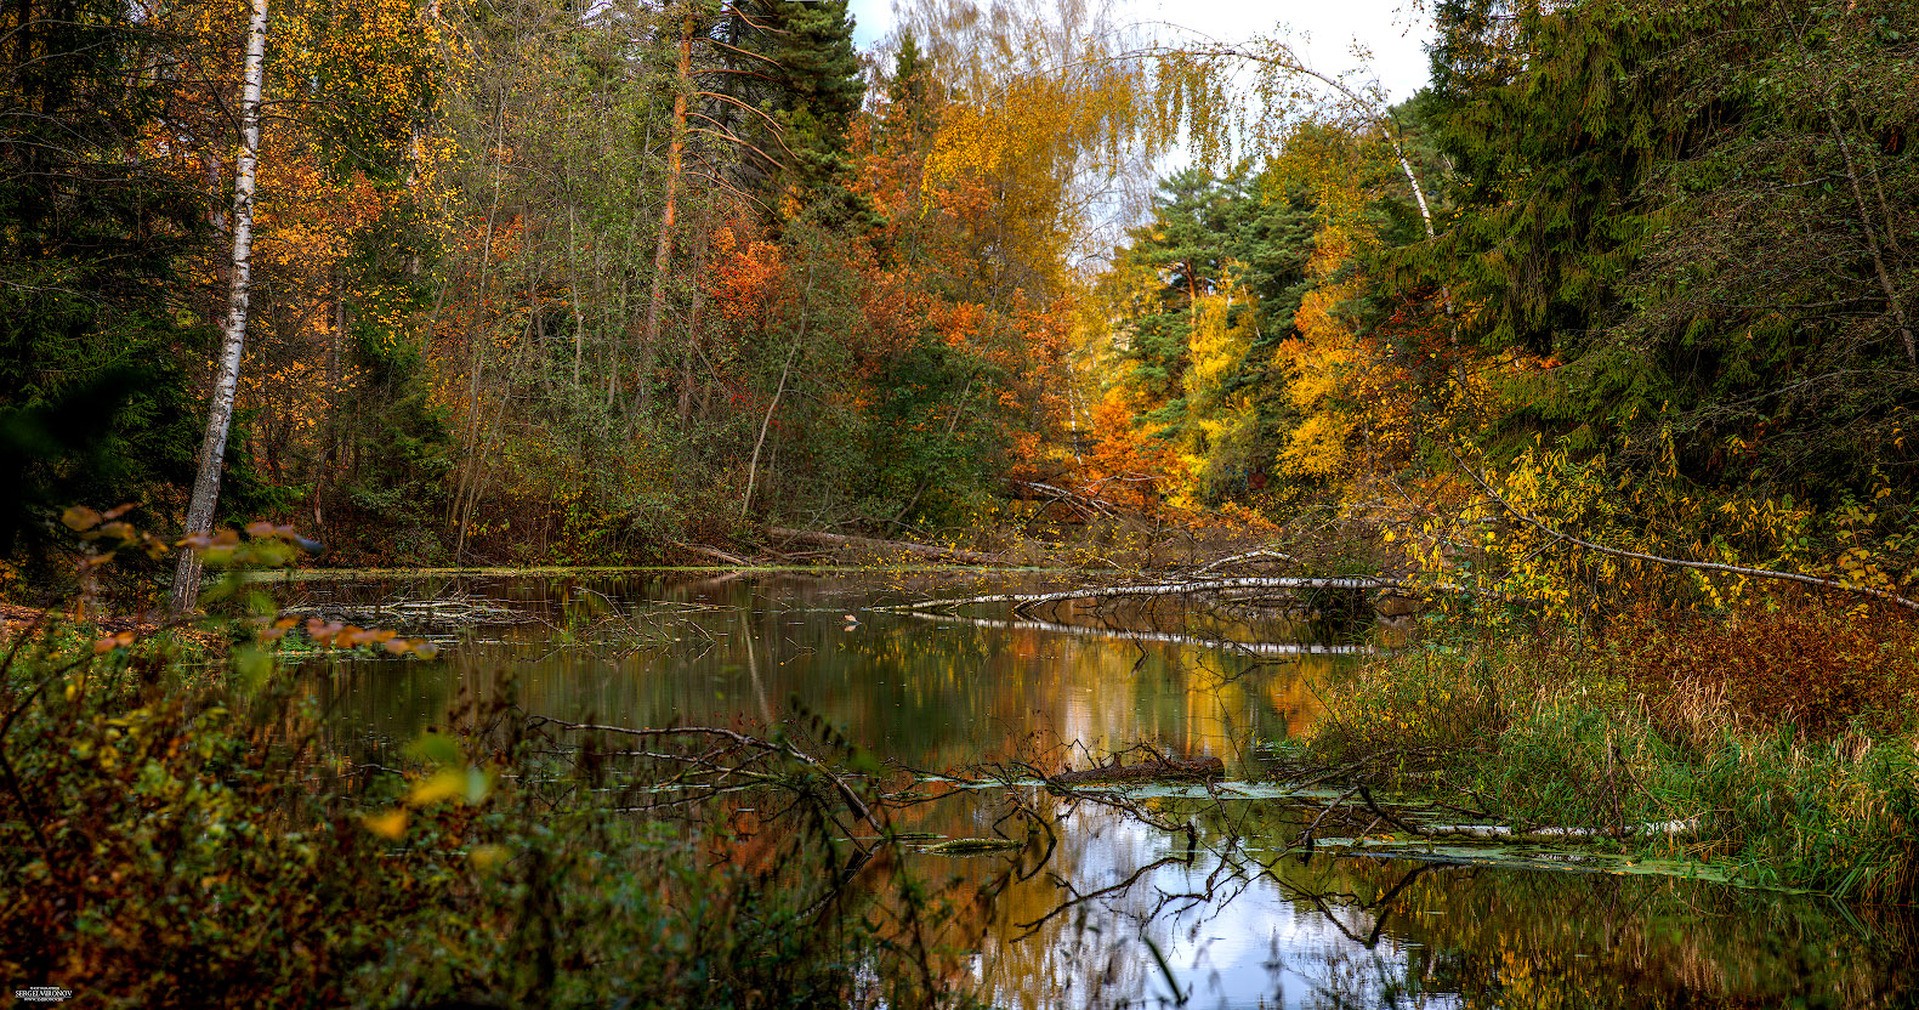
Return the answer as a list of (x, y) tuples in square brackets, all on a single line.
[(536, 283), (1573, 396)]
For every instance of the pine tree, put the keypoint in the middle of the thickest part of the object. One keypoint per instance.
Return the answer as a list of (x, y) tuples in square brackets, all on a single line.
[(92, 393), (796, 64), (1214, 280)]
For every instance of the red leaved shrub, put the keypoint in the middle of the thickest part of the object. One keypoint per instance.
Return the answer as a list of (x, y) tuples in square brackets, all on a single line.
[(1786, 660)]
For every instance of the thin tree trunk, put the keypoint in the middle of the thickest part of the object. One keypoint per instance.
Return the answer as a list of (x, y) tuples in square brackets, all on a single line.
[(692, 338), (476, 342), (799, 341), (480, 450), (753, 467), (573, 273), (663, 251), (1893, 300), (1891, 291), (213, 449)]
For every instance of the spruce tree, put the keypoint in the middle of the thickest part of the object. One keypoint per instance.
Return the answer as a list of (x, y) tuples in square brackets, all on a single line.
[(92, 336), (796, 64)]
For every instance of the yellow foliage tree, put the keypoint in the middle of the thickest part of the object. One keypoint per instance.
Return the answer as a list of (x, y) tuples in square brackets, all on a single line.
[(1319, 363), (1218, 438)]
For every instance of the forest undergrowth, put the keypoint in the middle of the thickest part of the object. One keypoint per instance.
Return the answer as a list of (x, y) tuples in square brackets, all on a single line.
[(1601, 345)]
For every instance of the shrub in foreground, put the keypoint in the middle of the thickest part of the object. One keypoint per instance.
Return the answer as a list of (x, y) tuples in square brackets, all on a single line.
[(164, 844)]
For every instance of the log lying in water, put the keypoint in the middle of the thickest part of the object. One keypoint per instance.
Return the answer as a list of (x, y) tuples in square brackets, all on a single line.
[(1195, 586), (1157, 770), (712, 553), (931, 553), (1504, 832), (1653, 829), (1090, 631)]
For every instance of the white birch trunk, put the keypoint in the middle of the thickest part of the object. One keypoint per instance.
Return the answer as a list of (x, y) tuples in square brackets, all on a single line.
[(213, 449)]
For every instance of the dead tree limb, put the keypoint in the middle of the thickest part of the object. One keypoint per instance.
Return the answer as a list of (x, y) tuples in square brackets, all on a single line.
[(1650, 829), (1256, 554)]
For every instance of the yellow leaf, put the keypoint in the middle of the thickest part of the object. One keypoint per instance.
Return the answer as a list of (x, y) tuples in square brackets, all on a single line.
[(487, 857), (390, 825), (444, 785)]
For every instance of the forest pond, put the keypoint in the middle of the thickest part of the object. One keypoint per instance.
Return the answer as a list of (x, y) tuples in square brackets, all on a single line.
[(1121, 911)]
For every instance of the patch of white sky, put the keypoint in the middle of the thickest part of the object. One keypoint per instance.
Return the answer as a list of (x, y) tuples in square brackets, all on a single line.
[(1379, 40), (1324, 32)]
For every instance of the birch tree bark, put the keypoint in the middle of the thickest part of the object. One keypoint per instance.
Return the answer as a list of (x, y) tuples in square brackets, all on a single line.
[(206, 484)]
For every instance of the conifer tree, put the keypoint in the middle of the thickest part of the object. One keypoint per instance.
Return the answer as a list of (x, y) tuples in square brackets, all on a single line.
[(794, 62), (92, 227)]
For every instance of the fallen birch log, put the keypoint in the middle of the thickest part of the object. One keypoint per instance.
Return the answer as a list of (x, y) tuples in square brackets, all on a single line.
[(1506, 832), (1662, 829), (1023, 600), (1054, 627), (897, 546)]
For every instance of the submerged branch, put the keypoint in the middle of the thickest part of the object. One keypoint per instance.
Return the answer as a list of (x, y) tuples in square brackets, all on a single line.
[(852, 799)]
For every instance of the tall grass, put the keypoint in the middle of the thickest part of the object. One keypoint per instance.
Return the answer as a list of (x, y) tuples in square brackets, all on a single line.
[(1789, 734)]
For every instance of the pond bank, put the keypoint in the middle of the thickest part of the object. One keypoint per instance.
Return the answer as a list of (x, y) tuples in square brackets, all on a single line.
[(1787, 770)]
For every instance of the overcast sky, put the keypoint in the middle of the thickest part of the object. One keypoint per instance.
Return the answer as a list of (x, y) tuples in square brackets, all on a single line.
[(1323, 31)]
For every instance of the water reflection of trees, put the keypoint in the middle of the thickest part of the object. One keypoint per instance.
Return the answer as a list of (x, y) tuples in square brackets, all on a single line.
[(931, 696), (1363, 932), (1075, 915)]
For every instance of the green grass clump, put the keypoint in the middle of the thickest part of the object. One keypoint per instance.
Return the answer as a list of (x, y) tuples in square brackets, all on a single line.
[(1545, 730)]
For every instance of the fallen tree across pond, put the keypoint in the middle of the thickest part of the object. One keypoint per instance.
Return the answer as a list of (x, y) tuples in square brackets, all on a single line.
[(1547, 833), (1190, 587), (928, 551), (1055, 627)]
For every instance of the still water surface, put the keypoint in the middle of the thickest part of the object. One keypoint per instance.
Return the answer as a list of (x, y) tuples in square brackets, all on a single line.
[(1119, 912)]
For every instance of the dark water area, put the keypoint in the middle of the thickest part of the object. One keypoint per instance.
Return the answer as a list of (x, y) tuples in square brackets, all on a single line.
[(1119, 905)]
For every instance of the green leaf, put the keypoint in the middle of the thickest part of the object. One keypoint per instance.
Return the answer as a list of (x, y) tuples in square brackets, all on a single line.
[(438, 748)]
